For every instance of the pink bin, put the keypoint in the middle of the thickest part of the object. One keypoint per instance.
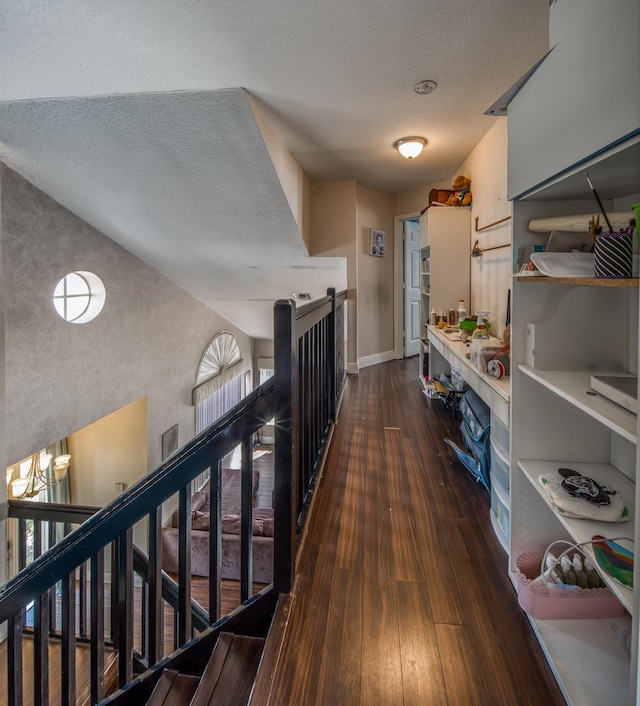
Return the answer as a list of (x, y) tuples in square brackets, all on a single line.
[(544, 602)]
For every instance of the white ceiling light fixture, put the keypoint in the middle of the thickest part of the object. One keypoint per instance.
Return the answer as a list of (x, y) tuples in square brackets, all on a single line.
[(410, 147)]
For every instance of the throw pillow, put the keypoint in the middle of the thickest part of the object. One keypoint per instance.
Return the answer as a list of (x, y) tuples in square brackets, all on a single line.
[(200, 520)]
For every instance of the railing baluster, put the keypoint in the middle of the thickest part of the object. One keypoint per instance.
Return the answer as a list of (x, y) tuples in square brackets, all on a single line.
[(114, 628), (68, 646), (82, 601), (14, 658), (41, 650), (215, 541), (40, 633), (184, 564), (246, 524), (155, 618), (125, 603), (52, 591), (97, 627)]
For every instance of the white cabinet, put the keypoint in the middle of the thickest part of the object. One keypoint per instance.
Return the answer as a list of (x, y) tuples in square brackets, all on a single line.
[(445, 256), (563, 332), (583, 98)]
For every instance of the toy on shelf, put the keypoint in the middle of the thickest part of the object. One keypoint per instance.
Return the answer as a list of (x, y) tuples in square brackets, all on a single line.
[(461, 195)]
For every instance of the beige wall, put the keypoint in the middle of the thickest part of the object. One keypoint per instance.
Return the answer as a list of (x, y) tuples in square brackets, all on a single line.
[(411, 202), (333, 208), (109, 451), (486, 166), (376, 210), (294, 182)]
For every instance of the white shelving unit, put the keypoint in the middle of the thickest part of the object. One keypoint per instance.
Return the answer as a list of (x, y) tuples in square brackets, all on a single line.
[(563, 332), (445, 256)]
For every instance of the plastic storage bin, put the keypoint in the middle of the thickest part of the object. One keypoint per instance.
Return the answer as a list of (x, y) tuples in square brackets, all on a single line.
[(500, 506), (500, 436), (544, 602), (499, 464)]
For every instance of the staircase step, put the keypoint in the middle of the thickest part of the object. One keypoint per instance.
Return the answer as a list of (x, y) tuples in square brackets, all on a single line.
[(174, 689), (230, 673)]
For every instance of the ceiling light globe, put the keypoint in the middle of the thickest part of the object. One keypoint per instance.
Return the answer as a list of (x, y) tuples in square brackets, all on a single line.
[(410, 147)]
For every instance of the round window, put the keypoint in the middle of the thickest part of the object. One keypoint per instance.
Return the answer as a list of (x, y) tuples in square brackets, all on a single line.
[(79, 297)]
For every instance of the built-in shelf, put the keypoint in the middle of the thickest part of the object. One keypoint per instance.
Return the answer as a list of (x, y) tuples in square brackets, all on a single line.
[(588, 659), (581, 281), (582, 530), (575, 387)]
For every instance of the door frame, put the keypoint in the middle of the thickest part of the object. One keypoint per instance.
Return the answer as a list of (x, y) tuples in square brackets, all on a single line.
[(398, 241)]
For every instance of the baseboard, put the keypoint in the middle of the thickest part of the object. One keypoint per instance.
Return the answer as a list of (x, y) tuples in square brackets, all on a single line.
[(376, 358), (352, 369)]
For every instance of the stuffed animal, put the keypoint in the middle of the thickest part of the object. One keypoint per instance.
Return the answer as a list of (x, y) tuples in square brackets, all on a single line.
[(461, 195)]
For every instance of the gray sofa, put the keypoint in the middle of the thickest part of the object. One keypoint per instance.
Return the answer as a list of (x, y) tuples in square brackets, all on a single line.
[(262, 541)]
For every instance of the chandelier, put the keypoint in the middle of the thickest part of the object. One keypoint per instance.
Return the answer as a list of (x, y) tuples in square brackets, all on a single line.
[(40, 475)]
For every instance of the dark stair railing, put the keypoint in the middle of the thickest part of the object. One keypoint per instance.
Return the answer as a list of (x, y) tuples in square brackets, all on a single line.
[(69, 578)]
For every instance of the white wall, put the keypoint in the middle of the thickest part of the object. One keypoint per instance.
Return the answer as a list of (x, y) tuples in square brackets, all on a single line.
[(583, 97), (486, 166)]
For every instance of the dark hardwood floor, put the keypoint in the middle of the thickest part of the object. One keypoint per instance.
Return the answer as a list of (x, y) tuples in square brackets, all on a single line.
[(402, 595)]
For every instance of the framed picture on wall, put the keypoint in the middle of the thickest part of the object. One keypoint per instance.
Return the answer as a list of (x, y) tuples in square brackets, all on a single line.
[(169, 441), (376, 245)]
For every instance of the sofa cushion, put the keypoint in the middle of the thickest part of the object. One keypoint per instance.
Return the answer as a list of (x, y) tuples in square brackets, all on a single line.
[(231, 525), (200, 520)]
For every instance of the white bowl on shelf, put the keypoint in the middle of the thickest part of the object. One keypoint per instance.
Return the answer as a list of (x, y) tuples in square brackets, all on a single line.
[(564, 264)]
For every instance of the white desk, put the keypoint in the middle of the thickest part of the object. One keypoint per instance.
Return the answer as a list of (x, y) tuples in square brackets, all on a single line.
[(446, 350)]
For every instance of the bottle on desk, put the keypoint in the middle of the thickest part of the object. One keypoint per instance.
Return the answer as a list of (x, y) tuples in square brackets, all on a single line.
[(481, 329), (462, 311)]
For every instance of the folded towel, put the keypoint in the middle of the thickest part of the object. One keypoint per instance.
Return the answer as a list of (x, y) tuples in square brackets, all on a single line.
[(570, 506)]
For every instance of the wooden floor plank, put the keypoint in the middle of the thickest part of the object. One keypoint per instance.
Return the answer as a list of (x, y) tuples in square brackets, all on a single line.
[(339, 677), (463, 673), (381, 672), (422, 678), (403, 596)]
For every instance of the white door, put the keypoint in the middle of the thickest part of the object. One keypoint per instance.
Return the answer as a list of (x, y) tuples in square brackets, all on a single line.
[(411, 286)]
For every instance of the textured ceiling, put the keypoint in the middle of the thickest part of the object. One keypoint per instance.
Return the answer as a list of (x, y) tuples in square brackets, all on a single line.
[(131, 114)]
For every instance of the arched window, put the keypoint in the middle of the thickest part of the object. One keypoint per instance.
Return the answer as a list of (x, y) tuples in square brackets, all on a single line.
[(219, 379)]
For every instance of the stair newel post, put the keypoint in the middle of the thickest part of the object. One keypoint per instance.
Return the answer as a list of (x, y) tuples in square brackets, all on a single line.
[(286, 443), (331, 356)]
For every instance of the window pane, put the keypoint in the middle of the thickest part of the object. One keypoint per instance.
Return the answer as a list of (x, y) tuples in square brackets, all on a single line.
[(76, 284), (76, 306)]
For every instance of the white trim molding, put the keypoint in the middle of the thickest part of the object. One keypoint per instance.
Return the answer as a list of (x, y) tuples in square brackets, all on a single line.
[(376, 358)]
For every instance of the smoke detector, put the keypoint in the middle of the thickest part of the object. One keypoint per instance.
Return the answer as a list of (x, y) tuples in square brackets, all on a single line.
[(425, 87)]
